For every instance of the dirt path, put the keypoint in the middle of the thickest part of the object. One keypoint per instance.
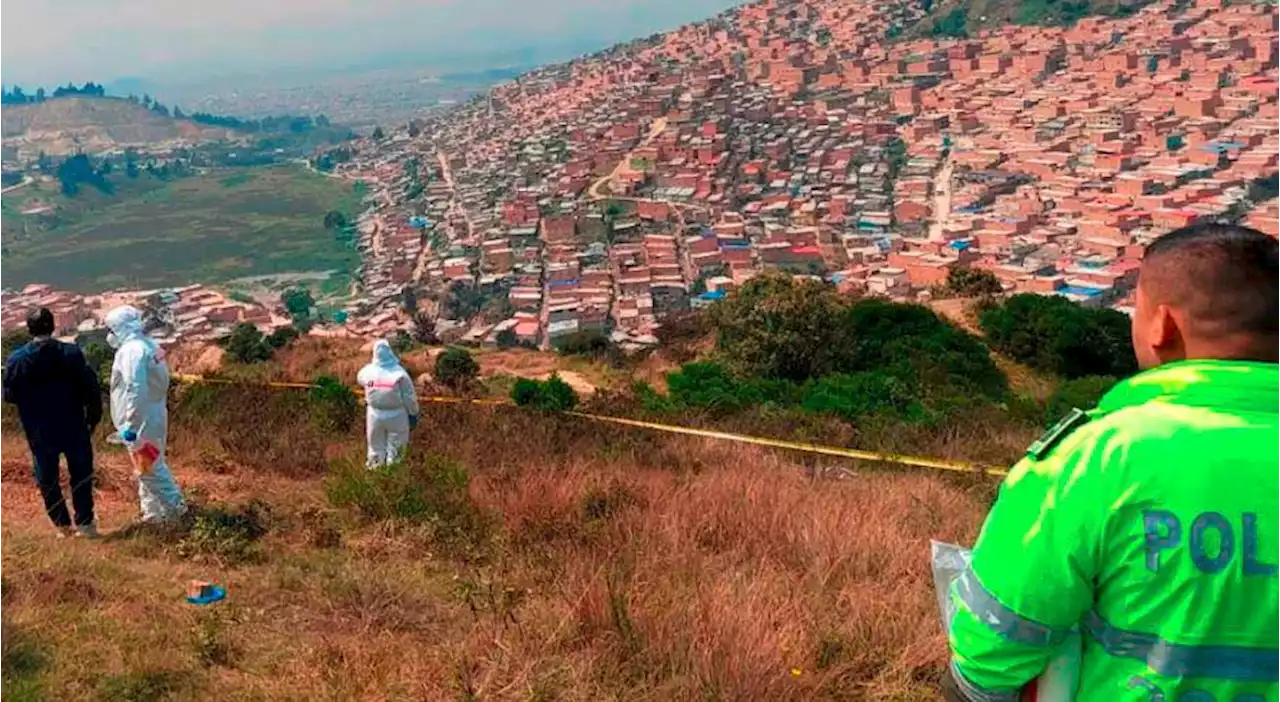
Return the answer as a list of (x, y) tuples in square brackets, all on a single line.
[(941, 201), (659, 125)]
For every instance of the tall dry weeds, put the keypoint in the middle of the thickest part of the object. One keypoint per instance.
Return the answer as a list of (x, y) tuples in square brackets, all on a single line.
[(622, 565)]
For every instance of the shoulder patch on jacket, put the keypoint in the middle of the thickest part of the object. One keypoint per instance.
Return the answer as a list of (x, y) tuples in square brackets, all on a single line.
[(1054, 435)]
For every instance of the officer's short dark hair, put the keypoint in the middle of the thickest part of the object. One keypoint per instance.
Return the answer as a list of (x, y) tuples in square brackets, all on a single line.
[(40, 322), (1223, 277)]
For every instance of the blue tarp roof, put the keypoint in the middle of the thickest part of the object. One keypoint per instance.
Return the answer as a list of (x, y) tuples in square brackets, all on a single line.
[(960, 245), (712, 295), (1079, 290)]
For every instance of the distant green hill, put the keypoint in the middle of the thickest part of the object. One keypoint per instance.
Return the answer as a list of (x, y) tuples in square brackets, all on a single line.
[(966, 17), (65, 125), (213, 226)]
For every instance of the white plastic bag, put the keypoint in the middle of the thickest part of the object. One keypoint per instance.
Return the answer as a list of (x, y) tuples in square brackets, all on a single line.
[(1058, 682)]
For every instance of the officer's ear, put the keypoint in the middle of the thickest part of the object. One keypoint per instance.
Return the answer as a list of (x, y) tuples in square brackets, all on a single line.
[(1165, 333)]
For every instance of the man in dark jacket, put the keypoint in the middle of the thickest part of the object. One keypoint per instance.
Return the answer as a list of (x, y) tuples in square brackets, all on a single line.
[(59, 403)]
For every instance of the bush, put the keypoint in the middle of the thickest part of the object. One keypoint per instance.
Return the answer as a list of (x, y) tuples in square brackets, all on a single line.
[(709, 386), (247, 345), (1082, 393), (401, 342), (13, 340), (227, 534), (298, 302), (552, 394), (282, 337), (779, 327), (1053, 334), (585, 343), (913, 344), (856, 395), (99, 356), (507, 339), (972, 282), (334, 405), (456, 368), (421, 489)]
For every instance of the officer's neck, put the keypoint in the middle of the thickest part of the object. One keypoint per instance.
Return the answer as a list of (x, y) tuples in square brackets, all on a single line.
[(1233, 348)]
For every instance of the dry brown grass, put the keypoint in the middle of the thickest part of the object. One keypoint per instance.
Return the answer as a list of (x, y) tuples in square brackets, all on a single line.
[(624, 565)]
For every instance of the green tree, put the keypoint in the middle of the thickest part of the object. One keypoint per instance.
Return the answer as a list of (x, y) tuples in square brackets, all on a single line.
[(12, 340), (378, 134), (298, 302), (1053, 334), (247, 345), (335, 220), (456, 368), (776, 326), (972, 282), (507, 339), (953, 24)]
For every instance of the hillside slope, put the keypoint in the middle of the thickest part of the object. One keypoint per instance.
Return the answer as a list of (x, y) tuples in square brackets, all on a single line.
[(578, 562), (93, 124)]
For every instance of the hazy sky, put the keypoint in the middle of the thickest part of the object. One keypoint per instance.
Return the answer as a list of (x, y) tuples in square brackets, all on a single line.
[(50, 41)]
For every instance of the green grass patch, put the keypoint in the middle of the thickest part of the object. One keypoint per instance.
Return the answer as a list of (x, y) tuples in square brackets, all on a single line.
[(213, 227)]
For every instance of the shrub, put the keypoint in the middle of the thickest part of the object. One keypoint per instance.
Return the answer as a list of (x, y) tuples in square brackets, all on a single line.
[(912, 343), (972, 282), (420, 489), (401, 342), (507, 339), (1053, 334), (247, 345), (334, 405), (282, 337), (776, 326), (13, 340), (585, 343), (143, 685), (852, 396), (100, 356), (1083, 393), (226, 533), (298, 302), (710, 386), (456, 368), (552, 394)]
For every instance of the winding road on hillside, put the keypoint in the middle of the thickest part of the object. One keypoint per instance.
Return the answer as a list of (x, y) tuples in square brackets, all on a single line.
[(941, 201)]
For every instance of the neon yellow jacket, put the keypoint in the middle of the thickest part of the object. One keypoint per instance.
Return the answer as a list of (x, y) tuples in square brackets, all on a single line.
[(1150, 523)]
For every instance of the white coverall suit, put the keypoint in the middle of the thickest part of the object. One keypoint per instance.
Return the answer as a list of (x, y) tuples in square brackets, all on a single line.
[(392, 402), (139, 390)]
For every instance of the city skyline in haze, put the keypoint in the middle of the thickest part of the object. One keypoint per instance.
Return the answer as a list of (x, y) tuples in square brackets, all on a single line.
[(47, 43)]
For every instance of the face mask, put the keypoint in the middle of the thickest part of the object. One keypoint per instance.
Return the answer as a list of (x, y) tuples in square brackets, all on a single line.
[(112, 340)]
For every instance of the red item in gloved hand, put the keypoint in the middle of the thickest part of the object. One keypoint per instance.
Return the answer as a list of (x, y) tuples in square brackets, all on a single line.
[(145, 457)]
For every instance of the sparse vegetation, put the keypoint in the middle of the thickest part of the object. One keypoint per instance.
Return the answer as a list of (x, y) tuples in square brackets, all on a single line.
[(456, 368)]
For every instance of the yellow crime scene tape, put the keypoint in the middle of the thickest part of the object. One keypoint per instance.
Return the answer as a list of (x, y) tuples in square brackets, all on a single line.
[(805, 447)]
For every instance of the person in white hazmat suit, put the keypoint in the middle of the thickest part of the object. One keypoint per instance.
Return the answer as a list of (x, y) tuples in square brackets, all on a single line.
[(139, 390), (392, 402)]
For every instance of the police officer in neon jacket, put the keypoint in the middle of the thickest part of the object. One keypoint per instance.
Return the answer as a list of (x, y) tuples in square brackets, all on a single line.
[(1150, 522)]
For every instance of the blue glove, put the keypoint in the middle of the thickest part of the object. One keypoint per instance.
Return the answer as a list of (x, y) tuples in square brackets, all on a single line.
[(129, 435), (413, 421)]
